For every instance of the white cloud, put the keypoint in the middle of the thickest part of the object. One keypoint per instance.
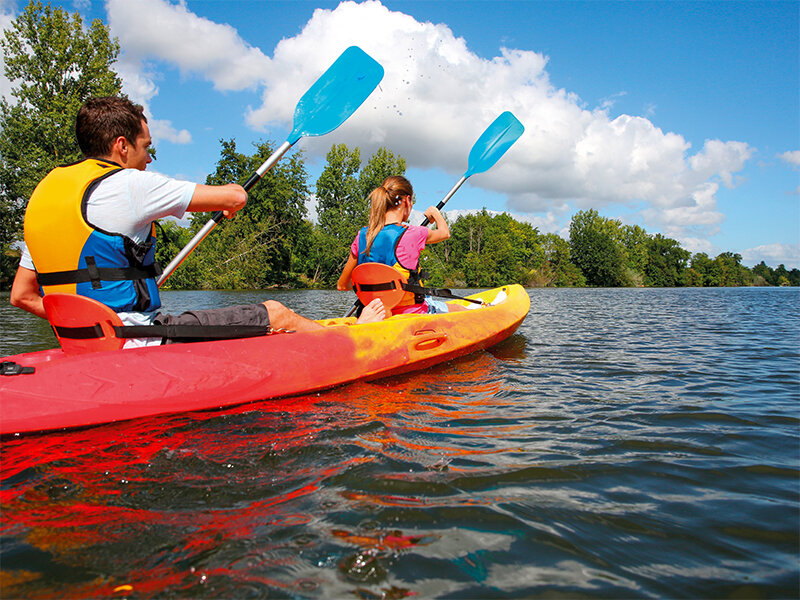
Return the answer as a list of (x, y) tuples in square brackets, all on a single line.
[(437, 97), (792, 157), (610, 101), (435, 100), (163, 130), (773, 255), (155, 30)]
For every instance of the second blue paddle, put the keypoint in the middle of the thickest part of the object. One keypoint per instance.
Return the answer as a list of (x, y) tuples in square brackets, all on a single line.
[(493, 143)]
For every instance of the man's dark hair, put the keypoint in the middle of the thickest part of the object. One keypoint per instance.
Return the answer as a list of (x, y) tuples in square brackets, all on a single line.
[(102, 120)]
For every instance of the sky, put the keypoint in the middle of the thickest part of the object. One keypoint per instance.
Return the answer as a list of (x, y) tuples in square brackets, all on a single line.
[(680, 117)]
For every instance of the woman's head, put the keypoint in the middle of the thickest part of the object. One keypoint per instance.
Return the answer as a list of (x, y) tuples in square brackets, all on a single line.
[(395, 192)]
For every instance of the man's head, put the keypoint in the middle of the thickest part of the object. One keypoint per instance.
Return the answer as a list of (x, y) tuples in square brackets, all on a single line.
[(111, 126)]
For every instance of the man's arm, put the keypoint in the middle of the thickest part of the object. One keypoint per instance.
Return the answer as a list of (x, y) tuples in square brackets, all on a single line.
[(228, 198), (25, 292)]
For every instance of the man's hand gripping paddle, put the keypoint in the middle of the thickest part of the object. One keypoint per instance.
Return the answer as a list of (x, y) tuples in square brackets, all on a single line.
[(327, 104), (493, 143)]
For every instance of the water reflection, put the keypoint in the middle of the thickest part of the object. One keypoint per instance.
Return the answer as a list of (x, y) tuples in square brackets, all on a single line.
[(621, 444), (176, 495)]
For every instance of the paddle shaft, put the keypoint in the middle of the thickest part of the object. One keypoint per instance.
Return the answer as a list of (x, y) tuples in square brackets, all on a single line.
[(449, 195), (218, 216)]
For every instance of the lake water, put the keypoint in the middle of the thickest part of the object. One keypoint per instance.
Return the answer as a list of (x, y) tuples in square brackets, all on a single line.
[(637, 443)]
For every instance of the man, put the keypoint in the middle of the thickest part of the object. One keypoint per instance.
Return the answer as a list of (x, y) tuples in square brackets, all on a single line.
[(89, 228)]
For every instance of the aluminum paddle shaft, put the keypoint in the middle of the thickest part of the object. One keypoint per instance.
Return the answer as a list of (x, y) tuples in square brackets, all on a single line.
[(493, 143), (328, 103)]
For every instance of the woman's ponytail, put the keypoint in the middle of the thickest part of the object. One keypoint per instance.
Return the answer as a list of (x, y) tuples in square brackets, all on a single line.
[(386, 196)]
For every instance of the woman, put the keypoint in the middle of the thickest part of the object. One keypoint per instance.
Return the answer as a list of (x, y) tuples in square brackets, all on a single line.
[(388, 239)]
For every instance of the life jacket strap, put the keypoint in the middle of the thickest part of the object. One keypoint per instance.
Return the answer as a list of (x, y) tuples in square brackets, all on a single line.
[(97, 274)]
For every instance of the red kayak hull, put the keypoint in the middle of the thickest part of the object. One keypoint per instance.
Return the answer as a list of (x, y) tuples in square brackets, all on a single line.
[(76, 391)]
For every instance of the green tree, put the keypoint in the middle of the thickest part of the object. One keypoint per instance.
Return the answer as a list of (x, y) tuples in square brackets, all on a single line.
[(380, 165), (340, 204), (794, 277), (55, 63), (781, 276), (635, 240), (255, 249), (666, 262), (707, 271), (732, 273), (558, 270), (486, 250), (595, 250), (342, 207), (763, 275)]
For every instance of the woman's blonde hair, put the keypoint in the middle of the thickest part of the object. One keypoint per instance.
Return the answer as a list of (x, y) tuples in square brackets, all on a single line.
[(382, 198)]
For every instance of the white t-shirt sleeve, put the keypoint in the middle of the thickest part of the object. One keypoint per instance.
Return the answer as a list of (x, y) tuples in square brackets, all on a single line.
[(128, 201), (25, 260)]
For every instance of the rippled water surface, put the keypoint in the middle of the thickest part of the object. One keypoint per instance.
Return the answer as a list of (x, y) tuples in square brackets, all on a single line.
[(623, 443)]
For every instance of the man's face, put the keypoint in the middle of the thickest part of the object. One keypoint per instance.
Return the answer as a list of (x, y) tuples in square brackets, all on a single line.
[(138, 155)]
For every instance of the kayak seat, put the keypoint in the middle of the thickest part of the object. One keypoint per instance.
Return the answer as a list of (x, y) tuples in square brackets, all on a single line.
[(377, 280), (82, 325)]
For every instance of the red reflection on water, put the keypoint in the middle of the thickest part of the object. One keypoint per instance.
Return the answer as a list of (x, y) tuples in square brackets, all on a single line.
[(92, 496), (384, 540), (432, 413)]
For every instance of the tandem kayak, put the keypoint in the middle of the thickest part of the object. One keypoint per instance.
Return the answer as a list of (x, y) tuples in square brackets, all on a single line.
[(101, 387)]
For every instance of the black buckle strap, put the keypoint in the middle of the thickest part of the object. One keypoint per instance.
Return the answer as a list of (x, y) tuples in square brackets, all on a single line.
[(94, 272), (8, 367)]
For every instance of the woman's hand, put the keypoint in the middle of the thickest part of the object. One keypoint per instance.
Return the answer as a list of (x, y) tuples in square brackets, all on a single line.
[(442, 231)]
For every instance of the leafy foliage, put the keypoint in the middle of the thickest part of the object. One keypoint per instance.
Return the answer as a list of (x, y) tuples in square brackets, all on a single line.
[(255, 249), (666, 262), (596, 251), (55, 63)]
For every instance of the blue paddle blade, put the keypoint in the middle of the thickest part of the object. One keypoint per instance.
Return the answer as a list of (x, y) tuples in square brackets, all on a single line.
[(494, 142), (336, 94)]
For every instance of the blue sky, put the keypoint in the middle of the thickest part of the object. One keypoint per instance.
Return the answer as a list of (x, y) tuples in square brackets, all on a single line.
[(681, 117)]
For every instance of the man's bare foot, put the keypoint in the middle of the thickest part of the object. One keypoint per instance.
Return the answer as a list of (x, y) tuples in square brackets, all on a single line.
[(372, 313)]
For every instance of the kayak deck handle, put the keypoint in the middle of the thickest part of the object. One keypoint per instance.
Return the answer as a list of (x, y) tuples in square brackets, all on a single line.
[(428, 339)]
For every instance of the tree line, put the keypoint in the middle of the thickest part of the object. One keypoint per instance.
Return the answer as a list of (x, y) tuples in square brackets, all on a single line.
[(272, 242), (56, 63)]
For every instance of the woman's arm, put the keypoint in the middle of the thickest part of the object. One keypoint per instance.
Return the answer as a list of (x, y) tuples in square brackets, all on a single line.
[(442, 231), (344, 282)]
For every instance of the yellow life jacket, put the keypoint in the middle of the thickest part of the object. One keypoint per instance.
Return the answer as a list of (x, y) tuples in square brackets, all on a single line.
[(74, 257)]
